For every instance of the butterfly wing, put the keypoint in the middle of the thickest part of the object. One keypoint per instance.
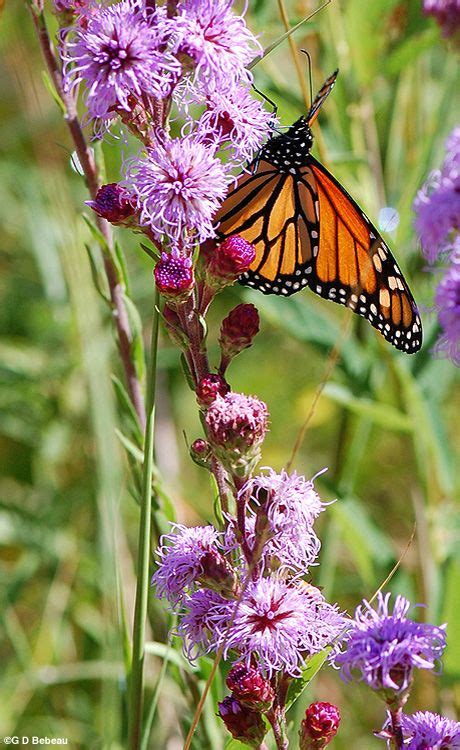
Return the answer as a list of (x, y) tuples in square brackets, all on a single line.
[(321, 96), (354, 267), (277, 212)]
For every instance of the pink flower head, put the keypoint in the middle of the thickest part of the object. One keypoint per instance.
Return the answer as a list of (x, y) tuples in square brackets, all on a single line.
[(279, 625), (235, 119), (119, 54), (237, 332), (206, 619), (113, 203), (250, 688), (179, 184), (180, 556), (321, 724), (427, 730), (384, 647), (237, 425), (217, 40), (210, 387), (243, 723), (174, 276), (227, 261)]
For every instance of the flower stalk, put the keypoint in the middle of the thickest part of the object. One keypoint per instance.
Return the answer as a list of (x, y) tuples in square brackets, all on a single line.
[(136, 690)]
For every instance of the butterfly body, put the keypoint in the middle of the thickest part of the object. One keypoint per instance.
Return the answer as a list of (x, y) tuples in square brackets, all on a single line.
[(308, 231)]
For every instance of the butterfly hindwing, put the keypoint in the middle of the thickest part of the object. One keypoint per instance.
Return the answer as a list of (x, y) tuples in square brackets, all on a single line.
[(355, 267)]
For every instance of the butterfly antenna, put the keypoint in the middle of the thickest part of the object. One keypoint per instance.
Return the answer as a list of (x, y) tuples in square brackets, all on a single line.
[(310, 74)]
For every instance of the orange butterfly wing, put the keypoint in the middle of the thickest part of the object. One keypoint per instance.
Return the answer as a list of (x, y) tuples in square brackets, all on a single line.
[(354, 266)]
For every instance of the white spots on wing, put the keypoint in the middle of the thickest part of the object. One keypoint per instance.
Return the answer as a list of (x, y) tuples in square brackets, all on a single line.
[(377, 263), (373, 309), (384, 298), (382, 253), (392, 282)]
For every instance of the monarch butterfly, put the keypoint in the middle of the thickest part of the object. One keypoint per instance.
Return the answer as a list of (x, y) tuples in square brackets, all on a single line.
[(308, 231)]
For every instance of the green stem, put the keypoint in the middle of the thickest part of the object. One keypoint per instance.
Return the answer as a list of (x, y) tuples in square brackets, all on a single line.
[(143, 578)]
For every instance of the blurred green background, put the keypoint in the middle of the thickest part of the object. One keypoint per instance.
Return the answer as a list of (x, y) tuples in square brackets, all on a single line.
[(386, 425)]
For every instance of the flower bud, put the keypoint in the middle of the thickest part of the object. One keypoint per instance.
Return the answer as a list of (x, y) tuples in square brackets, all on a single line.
[(174, 276), (209, 387), (236, 429), (250, 688), (226, 262), (200, 452), (217, 574), (237, 332), (113, 203), (319, 727), (242, 723)]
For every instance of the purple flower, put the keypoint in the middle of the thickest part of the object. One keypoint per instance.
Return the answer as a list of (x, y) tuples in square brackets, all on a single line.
[(446, 13), (280, 625), (113, 203), (217, 40), (291, 505), (236, 118), (437, 204), (180, 554), (226, 262), (179, 184), (424, 730), (174, 276), (383, 648), (119, 54), (448, 308), (236, 426), (206, 619)]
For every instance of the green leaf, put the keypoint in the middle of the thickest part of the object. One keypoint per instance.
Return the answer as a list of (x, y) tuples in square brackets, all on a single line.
[(99, 279), (127, 410), (49, 85), (132, 449), (166, 651), (97, 234), (384, 415), (314, 665), (150, 252)]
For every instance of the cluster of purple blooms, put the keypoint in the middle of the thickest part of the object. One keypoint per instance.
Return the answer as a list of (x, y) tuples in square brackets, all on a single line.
[(146, 65), (437, 207)]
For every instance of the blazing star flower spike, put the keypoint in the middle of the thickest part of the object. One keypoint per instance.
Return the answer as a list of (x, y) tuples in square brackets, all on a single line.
[(174, 276), (118, 54), (179, 184), (204, 623), (383, 648)]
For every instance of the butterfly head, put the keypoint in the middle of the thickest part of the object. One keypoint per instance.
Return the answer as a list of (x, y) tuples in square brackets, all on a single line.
[(289, 150)]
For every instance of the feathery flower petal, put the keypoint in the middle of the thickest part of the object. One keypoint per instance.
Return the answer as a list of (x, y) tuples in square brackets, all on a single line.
[(206, 619), (448, 308), (423, 730)]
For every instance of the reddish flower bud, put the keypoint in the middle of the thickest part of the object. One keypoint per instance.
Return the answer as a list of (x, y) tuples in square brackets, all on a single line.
[(237, 332), (226, 262), (242, 723), (209, 387), (319, 727), (174, 276), (250, 688), (113, 203), (236, 428), (200, 449), (217, 574)]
